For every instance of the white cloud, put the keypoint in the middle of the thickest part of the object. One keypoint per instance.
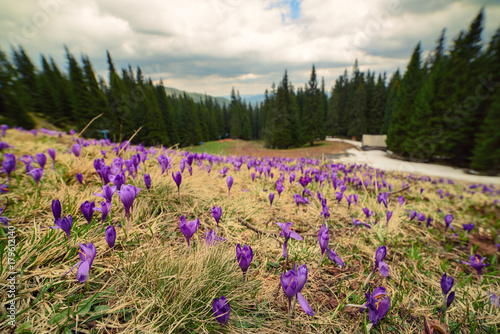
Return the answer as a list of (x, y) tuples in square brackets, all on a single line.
[(212, 45)]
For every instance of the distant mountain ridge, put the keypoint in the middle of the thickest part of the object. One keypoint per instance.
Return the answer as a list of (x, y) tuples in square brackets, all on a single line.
[(197, 97)]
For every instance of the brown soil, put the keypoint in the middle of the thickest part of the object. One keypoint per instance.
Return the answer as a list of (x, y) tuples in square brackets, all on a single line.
[(258, 150)]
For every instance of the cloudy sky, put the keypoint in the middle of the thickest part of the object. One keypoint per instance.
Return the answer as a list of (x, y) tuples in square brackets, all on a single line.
[(209, 46)]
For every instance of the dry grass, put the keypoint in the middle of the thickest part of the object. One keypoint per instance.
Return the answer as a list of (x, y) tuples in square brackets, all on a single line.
[(151, 283)]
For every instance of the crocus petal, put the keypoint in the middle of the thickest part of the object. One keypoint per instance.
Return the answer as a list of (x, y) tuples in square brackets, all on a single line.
[(450, 299), (384, 269), (295, 235), (304, 304), (83, 271)]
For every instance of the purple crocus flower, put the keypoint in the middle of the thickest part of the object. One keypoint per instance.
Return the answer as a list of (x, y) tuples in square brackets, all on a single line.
[(339, 195), (56, 208), (367, 212), (222, 310), (104, 209), (401, 200), (292, 283), (448, 219), (429, 220), (79, 178), (413, 215), (178, 179), (9, 163), (147, 181), (287, 232), (110, 235), (188, 229), (37, 174), (4, 128), (118, 180), (493, 299), (323, 238), (476, 262), (87, 255), (211, 238), (244, 257), (379, 261), (446, 284), (358, 222), (271, 198), (279, 187), (229, 182), (107, 193), (292, 177), (378, 304), (253, 176), (468, 227), (217, 213), (52, 154), (334, 257), (41, 159), (76, 149), (420, 218), (127, 194), (300, 200), (87, 209), (389, 215), (4, 188), (65, 224)]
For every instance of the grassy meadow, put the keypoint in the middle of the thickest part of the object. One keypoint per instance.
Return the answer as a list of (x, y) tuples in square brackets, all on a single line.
[(152, 282)]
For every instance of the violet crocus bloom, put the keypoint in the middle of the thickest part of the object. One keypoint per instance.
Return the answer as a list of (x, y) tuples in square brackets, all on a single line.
[(448, 219), (429, 220), (493, 299), (358, 222), (76, 149), (37, 174), (379, 261), (104, 209), (118, 180), (271, 198), (468, 227), (413, 215), (279, 187), (367, 212), (177, 179), (446, 285), (107, 193), (420, 218), (244, 256), (79, 178), (188, 228), (292, 283), (389, 215), (292, 178), (56, 208), (287, 232), (147, 181), (401, 200), (378, 304), (334, 257), (110, 235), (87, 255), (52, 154), (127, 194), (253, 176), (222, 310), (8, 163), (65, 224), (211, 238), (217, 213), (229, 182), (323, 238), (476, 262), (300, 200), (41, 159), (87, 209)]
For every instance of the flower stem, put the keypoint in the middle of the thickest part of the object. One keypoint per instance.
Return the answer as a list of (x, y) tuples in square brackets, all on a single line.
[(367, 279)]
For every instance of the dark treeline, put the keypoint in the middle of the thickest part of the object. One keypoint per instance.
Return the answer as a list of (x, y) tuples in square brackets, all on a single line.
[(446, 106)]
